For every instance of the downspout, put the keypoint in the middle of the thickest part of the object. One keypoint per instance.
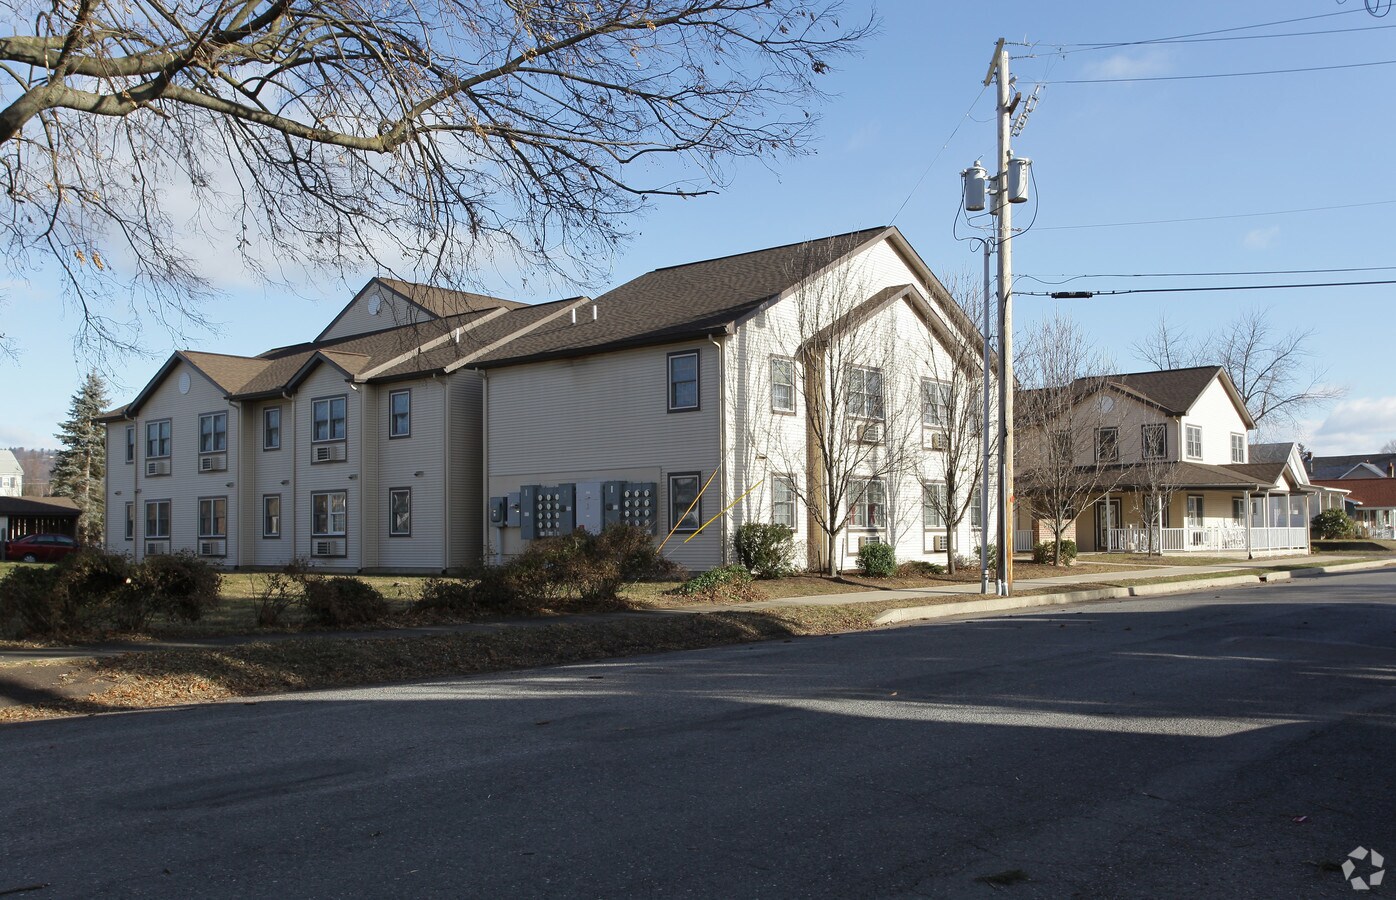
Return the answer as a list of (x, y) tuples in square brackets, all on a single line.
[(721, 442), (241, 529), (485, 474), (295, 468), (445, 472), (1250, 518)]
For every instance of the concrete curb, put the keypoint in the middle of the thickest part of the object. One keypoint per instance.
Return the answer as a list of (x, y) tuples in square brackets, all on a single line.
[(1008, 604), (1345, 567)]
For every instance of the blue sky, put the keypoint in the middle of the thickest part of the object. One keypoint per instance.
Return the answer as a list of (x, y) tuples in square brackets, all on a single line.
[(1229, 153)]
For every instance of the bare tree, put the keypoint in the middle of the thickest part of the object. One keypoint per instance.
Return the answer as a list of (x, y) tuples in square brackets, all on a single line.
[(1389, 446), (331, 133), (856, 404), (952, 409), (1068, 440), (1273, 370), (1155, 483)]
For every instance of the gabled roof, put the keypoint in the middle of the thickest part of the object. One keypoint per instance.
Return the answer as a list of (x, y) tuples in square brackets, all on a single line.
[(436, 302), (1174, 391), (1330, 467), (1370, 492), (1190, 475), (9, 465), (36, 506), (1277, 452), (684, 302)]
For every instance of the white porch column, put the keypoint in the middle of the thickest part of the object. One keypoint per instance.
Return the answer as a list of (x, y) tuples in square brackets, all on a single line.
[(1308, 538), (1250, 519)]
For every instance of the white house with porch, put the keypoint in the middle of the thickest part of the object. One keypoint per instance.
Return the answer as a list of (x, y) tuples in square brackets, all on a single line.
[(1177, 473)]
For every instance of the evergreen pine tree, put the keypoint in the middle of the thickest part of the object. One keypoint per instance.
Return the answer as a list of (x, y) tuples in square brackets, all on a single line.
[(79, 471)]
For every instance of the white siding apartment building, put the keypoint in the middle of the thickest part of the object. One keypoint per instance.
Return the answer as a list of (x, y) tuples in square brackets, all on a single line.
[(427, 429)]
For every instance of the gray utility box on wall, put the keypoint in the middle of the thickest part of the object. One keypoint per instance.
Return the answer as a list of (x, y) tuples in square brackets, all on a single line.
[(547, 510), (631, 503), (540, 510)]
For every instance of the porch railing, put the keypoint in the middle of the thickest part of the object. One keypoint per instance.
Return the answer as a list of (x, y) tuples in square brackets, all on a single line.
[(1138, 539)]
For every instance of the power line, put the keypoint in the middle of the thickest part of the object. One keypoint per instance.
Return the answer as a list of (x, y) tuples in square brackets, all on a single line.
[(1235, 37), (1366, 65), (1110, 45), (1277, 212), (1086, 295), (927, 170), (1066, 279)]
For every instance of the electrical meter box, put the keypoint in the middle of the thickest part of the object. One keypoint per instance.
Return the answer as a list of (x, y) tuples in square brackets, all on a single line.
[(589, 506), (511, 510), (547, 510), (631, 503), (499, 511)]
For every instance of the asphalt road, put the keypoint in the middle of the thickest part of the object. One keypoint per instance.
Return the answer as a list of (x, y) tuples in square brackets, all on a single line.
[(1160, 747)]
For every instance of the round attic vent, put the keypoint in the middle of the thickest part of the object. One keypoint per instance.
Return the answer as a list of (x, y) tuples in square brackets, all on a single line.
[(375, 305), (184, 382)]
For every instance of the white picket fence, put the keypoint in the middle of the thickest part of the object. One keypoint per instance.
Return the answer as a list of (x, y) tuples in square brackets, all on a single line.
[(1202, 539)]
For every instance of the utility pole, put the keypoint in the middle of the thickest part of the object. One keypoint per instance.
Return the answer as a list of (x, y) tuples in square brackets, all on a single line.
[(1004, 208), (988, 435)]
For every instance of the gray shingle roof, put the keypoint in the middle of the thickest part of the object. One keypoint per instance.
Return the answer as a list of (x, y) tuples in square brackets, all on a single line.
[(1175, 390)]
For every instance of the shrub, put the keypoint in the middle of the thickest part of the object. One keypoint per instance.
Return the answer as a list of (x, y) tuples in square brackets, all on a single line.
[(919, 568), (1045, 552), (724, 584), (280, 591), (179, 585), (1332, 524), (765, 550), (877, 560), (341, 600), (993, 556), (30, 602)]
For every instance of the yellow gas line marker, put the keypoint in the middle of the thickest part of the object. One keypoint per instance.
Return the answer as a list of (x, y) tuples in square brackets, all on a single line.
[(687, 511), (724, 512)]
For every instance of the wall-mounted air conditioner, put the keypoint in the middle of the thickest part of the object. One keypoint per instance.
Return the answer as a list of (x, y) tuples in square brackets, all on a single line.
[(157, 467), (864, 541), (329, 453), (937, 440), (327, 547), (865, 432), (156, 548), (213, 547), (940, 543), (213, 462)]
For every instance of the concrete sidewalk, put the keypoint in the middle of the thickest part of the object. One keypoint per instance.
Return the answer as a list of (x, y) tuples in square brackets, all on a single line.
[(942, 600)]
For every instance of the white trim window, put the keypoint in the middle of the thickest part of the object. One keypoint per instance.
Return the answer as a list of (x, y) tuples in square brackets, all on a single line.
[(157, 520), (213, 517), (976, 512), (329, 514), (865, 392), (935, 403), (868, 509), (1194, 442), (130, 521), (329, 419), (158, 436), (683, 381), (271, 515), (130, 443), (400, 512), (1107, 444), (271, 428), (933, 506), (213, 432), (1153, 439), (400, 414), (783, 501), (1238, 448), (1238, 511), (782, 384)]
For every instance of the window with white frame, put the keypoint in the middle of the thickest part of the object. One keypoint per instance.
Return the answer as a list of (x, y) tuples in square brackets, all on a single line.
[(782, 384), (400, 414), (329, 514), (935, 403), (683, 381), (271, 428), (400, 512), (1194, 441), (685, 510), (130, 521), (1238, 448), (1154, 440), (157, 439), (933, 506), (865, 392), (328, 418), (1238, 510), (976, 511), (868, 508), (157, 520), (1107, 444), (130, 443), (213, 517), (213, 432), (271, 515), (783, 501)]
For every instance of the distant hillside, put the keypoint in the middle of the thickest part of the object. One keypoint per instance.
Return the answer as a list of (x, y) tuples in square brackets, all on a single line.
[(37, 464)]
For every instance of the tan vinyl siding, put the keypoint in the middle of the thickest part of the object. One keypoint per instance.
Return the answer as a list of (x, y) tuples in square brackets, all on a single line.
[(464, 460), (120, 488), (392, 312), (265, 476), (398, 461), (606, 417), (310, 477)]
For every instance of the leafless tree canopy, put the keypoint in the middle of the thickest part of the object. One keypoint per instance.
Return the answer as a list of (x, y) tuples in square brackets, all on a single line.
[(1274, 370), (337, 133), (1389, 446)]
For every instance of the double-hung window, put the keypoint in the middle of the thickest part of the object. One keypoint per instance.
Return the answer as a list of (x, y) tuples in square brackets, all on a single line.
[(935, 403), (1238, 448), (400, 512), (213, 517), (865, 392), (976, 512), (157, 520), (329, 514), (869, 507), (685, 510), (683, 381), (1107, 444), (1154, 440), (130, 443), (783, 501), (130, 521), (782, 384), (328, 416), (400, 414), (1194, 441), (213, 432), (271, 515), (271, 428), (933, 506), (157, 439)]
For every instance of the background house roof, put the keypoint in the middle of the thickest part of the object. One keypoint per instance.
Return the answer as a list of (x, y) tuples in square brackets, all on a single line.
[(1375, 465), (9, 465), (1174, 390), (1370, 492), (32, 506), (1278, 452)]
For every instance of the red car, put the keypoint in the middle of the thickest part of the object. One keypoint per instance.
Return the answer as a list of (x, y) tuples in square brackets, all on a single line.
[(40, 548)]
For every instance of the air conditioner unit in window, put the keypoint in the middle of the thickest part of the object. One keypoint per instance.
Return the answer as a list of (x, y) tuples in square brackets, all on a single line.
[(213, 462), (940, 543), (864, 541), (938, 440), (863, 432), (156, 548), (157, 467), (324, 547), (329, 453), (213, 548)]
